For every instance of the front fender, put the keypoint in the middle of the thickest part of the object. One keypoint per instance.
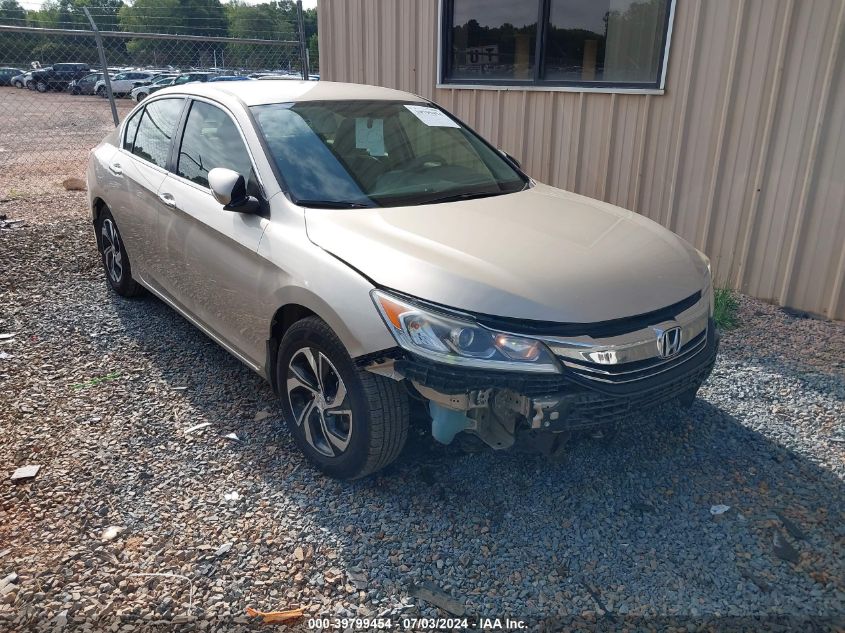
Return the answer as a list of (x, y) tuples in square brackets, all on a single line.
[(298, 272)]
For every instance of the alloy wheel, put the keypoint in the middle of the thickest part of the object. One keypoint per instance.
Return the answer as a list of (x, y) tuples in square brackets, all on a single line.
[(319, 402), (112, 253)]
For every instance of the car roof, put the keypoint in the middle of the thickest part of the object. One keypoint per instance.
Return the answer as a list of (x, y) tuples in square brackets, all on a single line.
[(252, 93)]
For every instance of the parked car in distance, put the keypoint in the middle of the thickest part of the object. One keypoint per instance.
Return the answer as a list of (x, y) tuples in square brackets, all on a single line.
[(370, 255), (281, 77), (8, 74), (123, 83), (85, 85), (230, 78), (193, 77), (20, 81), (142, 92), (58, 76)]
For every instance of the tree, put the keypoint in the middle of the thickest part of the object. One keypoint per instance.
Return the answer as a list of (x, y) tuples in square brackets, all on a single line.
[(12, 13), (270, 21)]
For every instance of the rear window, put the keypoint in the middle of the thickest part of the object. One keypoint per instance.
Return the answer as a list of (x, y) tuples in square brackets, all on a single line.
[(155, 130)]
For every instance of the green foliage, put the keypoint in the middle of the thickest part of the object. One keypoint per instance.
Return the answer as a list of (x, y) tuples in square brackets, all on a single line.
[(314, 53), (12, 13), (725, 308), (273, 20)]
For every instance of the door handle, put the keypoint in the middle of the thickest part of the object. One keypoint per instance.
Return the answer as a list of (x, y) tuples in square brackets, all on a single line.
[(168, 199), (116, 169)]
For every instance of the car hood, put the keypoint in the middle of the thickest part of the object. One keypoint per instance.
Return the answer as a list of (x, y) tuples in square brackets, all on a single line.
[(541, 254)]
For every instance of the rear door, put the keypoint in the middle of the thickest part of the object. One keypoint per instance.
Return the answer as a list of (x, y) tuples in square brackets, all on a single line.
[(212, 253), (141, 167)]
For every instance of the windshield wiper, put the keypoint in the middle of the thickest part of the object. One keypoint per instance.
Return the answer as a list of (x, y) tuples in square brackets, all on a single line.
[(332, 204), (463, 196)]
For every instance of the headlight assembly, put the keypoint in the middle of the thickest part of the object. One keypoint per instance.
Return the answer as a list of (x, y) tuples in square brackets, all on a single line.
[(457, 340)]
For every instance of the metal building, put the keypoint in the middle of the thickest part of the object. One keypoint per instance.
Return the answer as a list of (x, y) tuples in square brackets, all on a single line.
[(722, 119)]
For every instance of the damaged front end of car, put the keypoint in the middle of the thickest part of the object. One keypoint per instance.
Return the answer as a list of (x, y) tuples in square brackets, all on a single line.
[(534, 383)]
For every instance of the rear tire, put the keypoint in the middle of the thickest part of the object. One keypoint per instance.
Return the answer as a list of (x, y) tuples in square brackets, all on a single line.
[(347, 421), (114, 257), (41, 86)]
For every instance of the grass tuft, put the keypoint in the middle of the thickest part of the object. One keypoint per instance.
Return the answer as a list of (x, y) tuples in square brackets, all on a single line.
[(725, 308)]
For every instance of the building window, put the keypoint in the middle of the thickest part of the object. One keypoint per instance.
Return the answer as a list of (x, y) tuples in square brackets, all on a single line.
[(578, 43)]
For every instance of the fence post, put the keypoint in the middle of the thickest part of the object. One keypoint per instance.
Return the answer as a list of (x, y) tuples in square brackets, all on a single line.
[(303, 45), (106, 78)]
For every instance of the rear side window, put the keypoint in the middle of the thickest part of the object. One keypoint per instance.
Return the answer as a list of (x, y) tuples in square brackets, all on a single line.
[(131, 130), (155, 130), (212, 139)]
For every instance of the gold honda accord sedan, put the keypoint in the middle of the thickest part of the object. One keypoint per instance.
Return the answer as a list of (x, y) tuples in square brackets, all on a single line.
[(369, 255)]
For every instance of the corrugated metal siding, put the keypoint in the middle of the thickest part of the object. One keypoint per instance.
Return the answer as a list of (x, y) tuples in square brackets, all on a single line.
[(744, 155)]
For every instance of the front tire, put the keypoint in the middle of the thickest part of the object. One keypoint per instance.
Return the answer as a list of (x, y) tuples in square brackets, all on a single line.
[(347, 421), (41, 86), (114, 257)]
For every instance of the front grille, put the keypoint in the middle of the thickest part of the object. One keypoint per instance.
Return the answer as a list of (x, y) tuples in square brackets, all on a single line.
[(637, 370), (592, 408)]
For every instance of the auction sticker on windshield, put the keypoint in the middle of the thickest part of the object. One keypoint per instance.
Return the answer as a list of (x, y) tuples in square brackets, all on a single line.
[(432, 117)]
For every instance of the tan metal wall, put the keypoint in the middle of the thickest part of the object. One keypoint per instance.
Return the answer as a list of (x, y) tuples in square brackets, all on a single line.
[(744, 155)]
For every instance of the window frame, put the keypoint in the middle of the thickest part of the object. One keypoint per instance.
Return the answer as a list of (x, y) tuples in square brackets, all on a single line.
[(445, 11), (179, 137), (140, 112), (176, 142)]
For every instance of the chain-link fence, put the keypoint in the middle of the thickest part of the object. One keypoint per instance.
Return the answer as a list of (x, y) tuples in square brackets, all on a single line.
[(63, 90)]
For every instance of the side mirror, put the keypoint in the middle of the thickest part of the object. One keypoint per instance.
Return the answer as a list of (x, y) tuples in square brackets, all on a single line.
[(229, 189), (511, 159)]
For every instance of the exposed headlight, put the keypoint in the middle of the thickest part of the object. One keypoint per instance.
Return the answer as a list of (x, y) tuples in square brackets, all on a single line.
[(458, 340)]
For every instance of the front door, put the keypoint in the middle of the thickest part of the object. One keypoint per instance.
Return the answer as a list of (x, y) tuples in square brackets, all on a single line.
[(211, 253)]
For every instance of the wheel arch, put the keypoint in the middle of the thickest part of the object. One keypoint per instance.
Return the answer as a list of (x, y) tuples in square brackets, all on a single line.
[(283, 318), (97, 207), (297, 303)]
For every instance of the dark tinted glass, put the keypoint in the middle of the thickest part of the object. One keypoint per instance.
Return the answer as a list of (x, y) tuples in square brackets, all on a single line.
[(493, 39), (211, 139), (156, 129), (615, 41)]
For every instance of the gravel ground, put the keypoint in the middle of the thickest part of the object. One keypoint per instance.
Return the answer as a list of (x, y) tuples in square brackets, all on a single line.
[(100, 392), (48, 136)]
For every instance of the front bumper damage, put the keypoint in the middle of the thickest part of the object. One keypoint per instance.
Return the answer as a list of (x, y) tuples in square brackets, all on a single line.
[(497, 406)]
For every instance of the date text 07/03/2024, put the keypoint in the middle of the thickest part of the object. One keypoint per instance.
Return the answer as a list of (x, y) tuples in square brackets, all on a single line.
[(410, 623)]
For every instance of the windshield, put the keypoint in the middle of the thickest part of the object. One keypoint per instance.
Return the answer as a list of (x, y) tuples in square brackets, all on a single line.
[(380, 153)]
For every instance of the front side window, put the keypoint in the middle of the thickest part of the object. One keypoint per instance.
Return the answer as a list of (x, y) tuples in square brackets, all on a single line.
[(156, 129), (380, 153), (591, 43), (211, 139)]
